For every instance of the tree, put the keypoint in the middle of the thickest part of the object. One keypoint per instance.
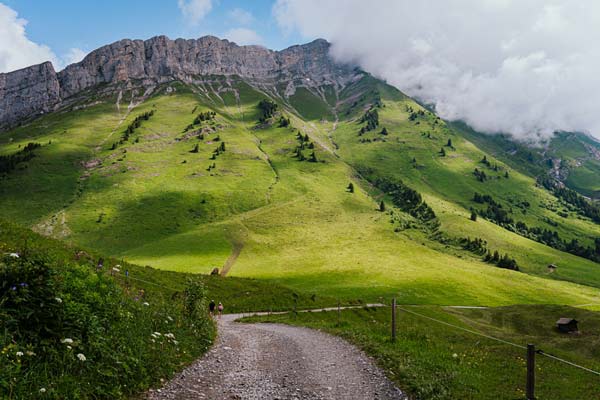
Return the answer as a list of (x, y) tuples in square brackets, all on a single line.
[(449, 144), (195, 149), (350, 187), (473, 216), (384, 131), (442, 152), (506, 175), (313, 157), (222, 147), (382, 206)]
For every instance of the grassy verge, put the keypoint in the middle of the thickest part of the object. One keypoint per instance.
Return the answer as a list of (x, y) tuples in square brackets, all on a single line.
[(433, 361), (72, 329)]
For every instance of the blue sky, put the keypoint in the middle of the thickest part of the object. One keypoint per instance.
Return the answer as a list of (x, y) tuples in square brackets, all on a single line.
[(74, 25)]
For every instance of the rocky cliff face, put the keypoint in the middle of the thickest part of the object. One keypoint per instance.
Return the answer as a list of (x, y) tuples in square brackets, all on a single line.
[(27, 92), (39, 89)]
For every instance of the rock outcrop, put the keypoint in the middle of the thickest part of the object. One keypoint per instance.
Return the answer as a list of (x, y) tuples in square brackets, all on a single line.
[(39, 89), (27, 92)]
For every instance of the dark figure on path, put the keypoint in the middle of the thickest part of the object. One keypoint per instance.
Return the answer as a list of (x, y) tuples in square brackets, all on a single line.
[(220, 308), (211, 307)]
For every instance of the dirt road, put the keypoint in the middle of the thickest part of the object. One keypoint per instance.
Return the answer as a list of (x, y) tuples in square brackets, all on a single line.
[(272, 361)]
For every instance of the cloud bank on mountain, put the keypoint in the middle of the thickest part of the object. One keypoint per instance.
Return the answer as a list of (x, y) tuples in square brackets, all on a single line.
[(525, 68)]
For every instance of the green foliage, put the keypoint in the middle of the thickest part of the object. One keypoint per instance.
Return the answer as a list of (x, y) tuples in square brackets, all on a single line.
[(371, 118), (204, 116), (12, 161), (71, 330), (267, 109)]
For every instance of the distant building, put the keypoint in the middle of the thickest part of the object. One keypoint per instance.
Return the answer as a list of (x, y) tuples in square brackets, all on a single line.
[(567, 325)]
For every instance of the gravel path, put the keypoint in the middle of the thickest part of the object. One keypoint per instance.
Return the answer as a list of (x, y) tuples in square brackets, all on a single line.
[(272, 361)]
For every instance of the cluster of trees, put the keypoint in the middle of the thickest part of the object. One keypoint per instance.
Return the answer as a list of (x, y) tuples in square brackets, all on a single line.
[(267, 110), (204, 116), (498, 215), (480, 175), (220, 149), (477, 245), (284, 122), (584, 206), (305, 143), (371, 118), (414, 115), (211, 166), (9, 162), (406, 199), (505, 261), (132, 127)]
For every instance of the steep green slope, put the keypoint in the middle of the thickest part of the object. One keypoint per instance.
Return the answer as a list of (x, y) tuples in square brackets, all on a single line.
[(170, 196)]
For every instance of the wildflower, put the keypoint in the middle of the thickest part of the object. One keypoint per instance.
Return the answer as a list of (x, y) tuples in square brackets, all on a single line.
[(169, 318), (23, 284), (116, 269), (43, 390), (58, 299), (454, 355), (13, 255), (81, 357), (30, 353), (69, 347), (19, 354), (169, 336), (13, 288), (67, 341), (145, 304), (156, 335), (175, 342)]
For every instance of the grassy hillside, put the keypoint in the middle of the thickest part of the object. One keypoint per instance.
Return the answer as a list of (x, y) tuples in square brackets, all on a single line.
[(164, 191)]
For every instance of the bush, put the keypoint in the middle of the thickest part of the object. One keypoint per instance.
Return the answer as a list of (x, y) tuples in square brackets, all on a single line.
[(70, 330)]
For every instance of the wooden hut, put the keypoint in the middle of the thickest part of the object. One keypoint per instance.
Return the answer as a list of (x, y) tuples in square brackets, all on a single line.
[(567, 325)]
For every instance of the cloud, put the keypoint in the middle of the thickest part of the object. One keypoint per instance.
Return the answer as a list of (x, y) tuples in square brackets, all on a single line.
[(74, 55), (16, 50), (244, 36), (525, 68), (194, 10), (241, 16)]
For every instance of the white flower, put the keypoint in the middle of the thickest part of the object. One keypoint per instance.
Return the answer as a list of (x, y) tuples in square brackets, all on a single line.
[(14, 255), (157, 333), (454, 355), (69, 347), (81, 357), (169, 336), (175, 342), (30, 353), (67, 341), (58, 299), (43, 390), (169, 318), (145, 304), (19, 353), (116, 269)]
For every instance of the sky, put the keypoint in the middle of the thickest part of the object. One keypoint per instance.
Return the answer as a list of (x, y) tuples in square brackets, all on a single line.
[(66, 30), (524, 67)]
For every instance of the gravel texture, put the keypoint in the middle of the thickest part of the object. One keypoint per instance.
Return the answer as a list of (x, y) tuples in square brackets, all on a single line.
[(272, 361)]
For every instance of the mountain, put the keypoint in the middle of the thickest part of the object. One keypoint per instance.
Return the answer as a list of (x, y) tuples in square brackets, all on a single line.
[(146, 64), (289, 167)]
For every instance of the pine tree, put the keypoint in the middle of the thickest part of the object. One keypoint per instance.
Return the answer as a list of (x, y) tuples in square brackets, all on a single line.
[(222, 147), (313, 157), (382, 206), (351, 187), (384, 131), (195, 149), (473, 216), (442, 152), (449, 144)]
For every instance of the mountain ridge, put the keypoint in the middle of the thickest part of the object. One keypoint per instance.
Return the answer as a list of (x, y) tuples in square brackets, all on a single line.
[(39, 88)]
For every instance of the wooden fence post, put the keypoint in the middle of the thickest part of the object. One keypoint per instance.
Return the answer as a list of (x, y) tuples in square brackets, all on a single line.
[(530, 372), (394, 319)]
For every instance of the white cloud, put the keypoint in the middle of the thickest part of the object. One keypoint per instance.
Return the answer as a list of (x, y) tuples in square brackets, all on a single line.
[(74, 55), (244, 36), (16, 50), (524, 67), (241, 16), (194, 10)]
